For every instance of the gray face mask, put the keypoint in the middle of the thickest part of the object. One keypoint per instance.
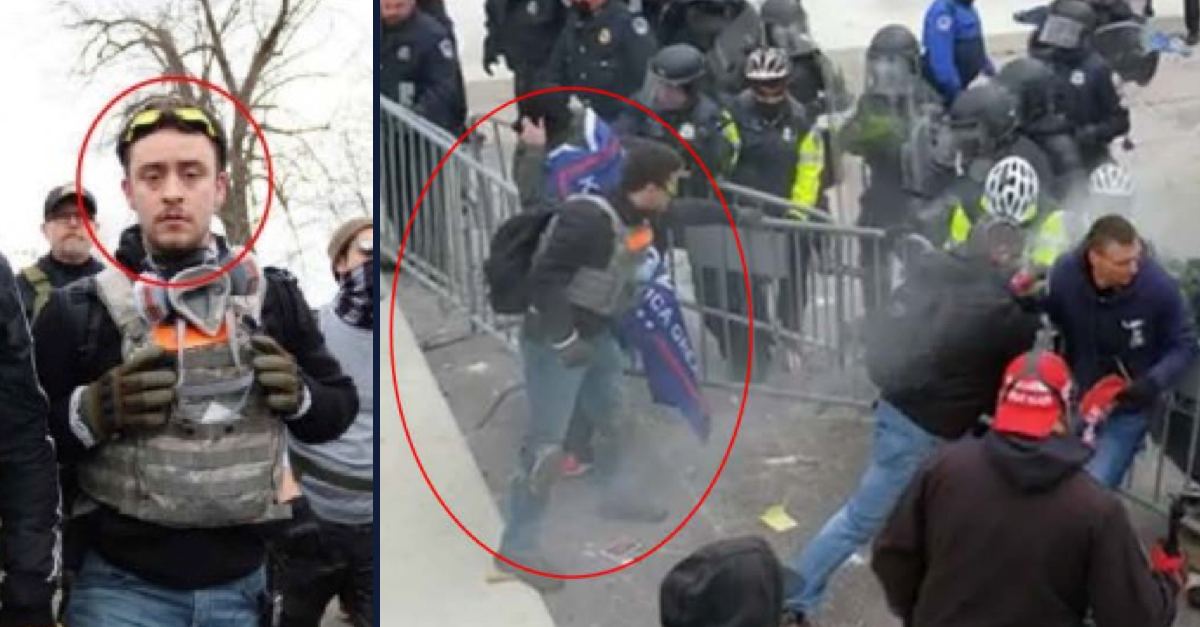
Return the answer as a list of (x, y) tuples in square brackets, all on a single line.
[(203, 305)]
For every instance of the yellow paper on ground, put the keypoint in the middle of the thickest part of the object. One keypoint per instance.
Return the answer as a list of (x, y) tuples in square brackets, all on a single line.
[(777, 518)]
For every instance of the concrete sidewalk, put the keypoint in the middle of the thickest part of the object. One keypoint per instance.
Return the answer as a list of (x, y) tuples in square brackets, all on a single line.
[(432, 574)]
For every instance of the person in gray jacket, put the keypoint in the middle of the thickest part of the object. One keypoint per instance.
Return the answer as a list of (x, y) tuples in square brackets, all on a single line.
[(329, 548)]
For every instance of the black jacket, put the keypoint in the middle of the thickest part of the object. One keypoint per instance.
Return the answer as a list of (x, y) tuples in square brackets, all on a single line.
[(28, 475), (608, 50), (69, 355), (939, 350), (418, 67), (524, 31), (1007, 532), (1090, 99), (703, 125), (59, 275)]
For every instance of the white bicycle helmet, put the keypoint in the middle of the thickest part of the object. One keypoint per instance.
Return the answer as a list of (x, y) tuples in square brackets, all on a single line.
[(768, 64), (1110, 179), (1011, 190)]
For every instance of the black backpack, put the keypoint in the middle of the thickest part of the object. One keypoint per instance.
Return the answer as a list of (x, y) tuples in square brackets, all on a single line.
[(506, 269)]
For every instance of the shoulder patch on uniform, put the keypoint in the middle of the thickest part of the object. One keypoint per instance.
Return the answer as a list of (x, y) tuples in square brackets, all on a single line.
[(1078, 78), (640, 25), (944, 22), (447, 48)]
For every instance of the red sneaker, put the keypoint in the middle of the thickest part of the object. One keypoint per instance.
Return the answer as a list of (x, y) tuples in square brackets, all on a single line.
[(570, 466)]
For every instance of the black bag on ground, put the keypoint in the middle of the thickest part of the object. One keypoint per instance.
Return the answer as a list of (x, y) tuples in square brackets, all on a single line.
[(510, 260)]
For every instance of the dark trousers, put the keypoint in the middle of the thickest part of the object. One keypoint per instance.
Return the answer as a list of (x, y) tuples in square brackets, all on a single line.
[(332, 561), (1191, 16)]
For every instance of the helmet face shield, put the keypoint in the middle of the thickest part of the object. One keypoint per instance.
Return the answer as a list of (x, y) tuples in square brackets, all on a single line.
[(1059, 31)]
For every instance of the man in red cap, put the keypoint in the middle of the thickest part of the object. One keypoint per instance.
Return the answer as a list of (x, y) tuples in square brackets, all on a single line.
[(1016, 506)]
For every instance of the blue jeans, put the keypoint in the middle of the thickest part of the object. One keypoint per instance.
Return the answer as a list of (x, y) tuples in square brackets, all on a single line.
[(899, 450), (1117, 442), (107, 596), (554, 393)]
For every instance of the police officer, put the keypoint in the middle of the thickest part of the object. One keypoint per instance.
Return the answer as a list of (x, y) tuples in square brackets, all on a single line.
[(1012, 192), (603, 46), (983, 126), (893, 98), (1086, 82), (1044, 121), (954, 48), (523, 32), (673, 92), (697, 22), (418, 65), (779, 153)]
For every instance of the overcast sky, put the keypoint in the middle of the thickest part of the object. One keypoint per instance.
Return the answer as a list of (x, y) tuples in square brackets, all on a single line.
[(48, 110)]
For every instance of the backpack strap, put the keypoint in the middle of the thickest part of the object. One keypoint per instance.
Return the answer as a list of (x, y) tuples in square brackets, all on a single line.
[(40, 281)]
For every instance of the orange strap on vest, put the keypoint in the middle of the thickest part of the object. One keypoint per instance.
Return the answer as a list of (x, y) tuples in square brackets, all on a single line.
[(166, 336)]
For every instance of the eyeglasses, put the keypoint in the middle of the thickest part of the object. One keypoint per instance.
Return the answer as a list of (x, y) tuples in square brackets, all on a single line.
[(64, 217), (190, 116)]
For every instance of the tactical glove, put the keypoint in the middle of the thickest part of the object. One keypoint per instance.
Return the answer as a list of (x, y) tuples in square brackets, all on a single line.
[(275, 369), (135, 395)]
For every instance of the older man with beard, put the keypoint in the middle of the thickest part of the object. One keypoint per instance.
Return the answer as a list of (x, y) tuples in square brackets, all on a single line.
[(70, 255)]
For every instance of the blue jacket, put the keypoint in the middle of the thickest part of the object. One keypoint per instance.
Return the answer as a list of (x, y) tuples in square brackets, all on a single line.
[(1144, 325), (954, 49)]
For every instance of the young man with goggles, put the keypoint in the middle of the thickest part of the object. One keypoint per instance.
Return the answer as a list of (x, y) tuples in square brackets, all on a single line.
[(171, 401)]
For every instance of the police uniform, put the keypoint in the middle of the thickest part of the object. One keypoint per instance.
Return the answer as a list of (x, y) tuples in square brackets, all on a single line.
[(418, 67), (705, 125), (524, 32), (954, 48), (781, 156), (1091, 102), (778, 156), (608, 50)]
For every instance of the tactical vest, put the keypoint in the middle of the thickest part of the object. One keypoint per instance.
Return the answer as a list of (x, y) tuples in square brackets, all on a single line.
[(218, 460), (41, 288), (614, 289)]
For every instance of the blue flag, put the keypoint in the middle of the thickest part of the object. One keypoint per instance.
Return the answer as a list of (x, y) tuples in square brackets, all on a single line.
[(657, 331)]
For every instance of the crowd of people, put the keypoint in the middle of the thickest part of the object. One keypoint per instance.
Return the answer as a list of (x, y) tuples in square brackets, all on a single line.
[(1007, 217), (188, 442)]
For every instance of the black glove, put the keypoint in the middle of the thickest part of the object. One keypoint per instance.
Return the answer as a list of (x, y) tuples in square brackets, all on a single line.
[(276, 370), (301, 534), (574, 351), (491, 56), (1138, 394), (135, 395)]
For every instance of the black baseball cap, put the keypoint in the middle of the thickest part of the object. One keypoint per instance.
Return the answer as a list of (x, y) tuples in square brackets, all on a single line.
[(64, 193)]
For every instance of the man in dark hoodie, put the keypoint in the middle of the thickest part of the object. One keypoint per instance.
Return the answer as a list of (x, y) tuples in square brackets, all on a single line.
[(1017, 500), (1120, 313), (937, 354)]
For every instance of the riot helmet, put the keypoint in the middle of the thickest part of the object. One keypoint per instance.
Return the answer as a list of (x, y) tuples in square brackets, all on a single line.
[(1011, 191), (1033, 82), (982, 118), (672, 77), (894, 40), (767, 72), (893, 64), (1068, 25)]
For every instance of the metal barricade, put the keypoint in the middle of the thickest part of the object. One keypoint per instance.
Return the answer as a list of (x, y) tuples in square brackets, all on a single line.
[(807, 279), (808, 292), (463, 207)]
